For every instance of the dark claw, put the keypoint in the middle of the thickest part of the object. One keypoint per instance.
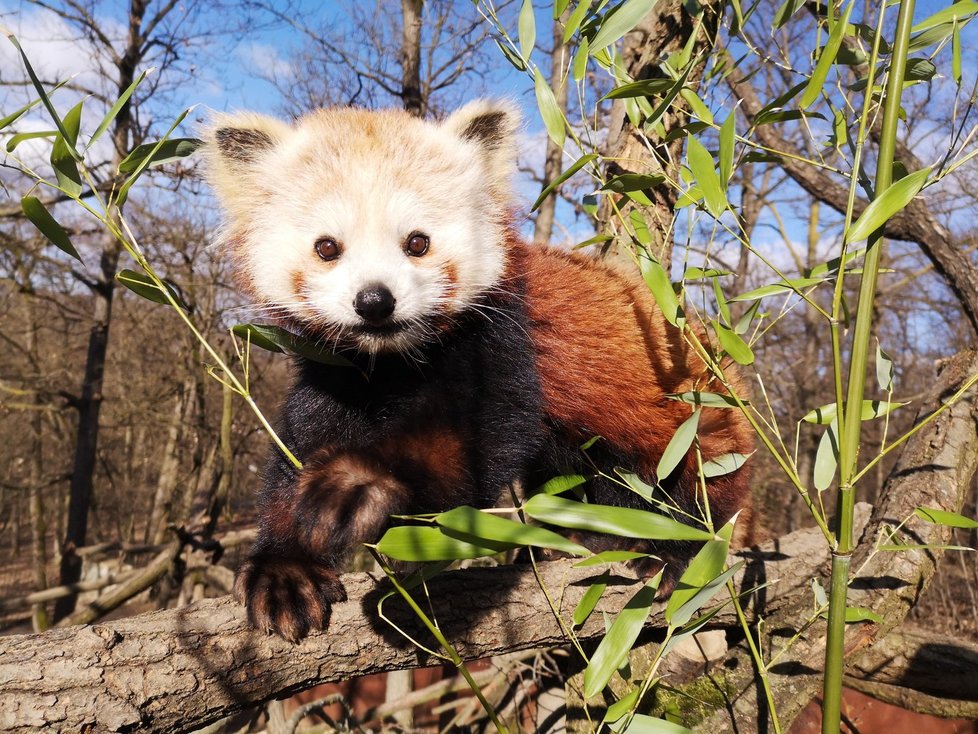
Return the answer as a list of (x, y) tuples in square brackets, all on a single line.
[(288, 597)]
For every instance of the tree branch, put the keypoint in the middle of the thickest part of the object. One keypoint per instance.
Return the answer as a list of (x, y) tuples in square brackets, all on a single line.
[(916, 223), (210, 663)]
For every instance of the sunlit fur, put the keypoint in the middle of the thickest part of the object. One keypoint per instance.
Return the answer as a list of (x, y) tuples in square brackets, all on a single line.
[(509, 356), (367, 180)]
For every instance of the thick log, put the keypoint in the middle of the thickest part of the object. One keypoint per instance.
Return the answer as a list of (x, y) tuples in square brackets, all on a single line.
[(920, 671), (179, 670)]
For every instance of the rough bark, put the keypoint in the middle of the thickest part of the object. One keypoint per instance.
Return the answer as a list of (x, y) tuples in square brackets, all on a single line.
[(179, 670), (924, 672), (916, 223), (934, 470), (664, 30)]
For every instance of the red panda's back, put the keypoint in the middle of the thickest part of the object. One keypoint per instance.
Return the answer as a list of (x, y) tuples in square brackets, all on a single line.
[(607, 360)]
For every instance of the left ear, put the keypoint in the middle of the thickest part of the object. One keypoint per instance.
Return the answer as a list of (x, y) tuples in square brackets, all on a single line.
[(492, 125)]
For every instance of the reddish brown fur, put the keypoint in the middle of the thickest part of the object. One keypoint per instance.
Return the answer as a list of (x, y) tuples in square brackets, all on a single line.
[(607, 359)]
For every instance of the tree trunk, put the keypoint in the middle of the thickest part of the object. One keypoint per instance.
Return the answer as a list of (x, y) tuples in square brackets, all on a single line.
[(664, 30), (90, 400), (411, 95), (554, 163)]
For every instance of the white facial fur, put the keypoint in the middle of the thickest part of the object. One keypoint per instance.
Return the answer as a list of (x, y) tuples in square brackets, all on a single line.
[(368, 180)]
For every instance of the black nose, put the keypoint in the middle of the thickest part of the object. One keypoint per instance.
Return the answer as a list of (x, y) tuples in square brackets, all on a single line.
[(374, 304)]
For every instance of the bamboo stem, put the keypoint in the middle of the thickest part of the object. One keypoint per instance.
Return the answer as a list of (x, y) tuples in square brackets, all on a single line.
[(851, 422)]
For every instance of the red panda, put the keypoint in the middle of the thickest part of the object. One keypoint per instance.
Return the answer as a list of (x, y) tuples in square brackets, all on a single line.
[(485, 361)]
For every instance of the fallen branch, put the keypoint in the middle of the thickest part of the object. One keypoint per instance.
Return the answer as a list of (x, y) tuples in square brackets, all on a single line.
[(180, 670), (923, 672)]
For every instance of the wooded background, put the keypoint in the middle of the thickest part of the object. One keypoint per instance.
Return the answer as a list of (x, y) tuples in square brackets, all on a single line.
[(127, 474)]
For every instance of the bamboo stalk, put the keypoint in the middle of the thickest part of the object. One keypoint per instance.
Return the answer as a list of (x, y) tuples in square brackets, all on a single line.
[(851, 422)]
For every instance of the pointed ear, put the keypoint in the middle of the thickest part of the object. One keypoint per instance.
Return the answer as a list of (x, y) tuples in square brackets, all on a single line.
[(492, 124), (234, 146)]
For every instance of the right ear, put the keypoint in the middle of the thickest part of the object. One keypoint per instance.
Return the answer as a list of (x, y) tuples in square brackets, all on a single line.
[(234, 146)]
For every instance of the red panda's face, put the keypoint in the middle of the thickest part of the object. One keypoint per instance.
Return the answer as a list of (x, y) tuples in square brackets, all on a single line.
[(370, 229)]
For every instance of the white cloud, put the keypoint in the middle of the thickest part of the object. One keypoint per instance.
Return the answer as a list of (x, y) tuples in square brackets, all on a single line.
[(262, 59)]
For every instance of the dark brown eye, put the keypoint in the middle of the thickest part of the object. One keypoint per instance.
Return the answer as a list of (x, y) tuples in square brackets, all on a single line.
[(417, 244), (327, 248)]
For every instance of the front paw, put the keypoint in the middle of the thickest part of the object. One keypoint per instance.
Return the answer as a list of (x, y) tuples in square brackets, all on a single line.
[(287, 596)]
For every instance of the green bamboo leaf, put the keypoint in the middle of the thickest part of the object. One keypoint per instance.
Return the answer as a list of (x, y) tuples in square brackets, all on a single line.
[(561, 484), (590, 600), (728, 133), (956, 54), (63, 159), (526, 29), (598, 239), (826, 457), (143, 285), (702, 578), (579, 62), (937, 516), (886, 204), (645, 724), (559, 7), (145, 159), (643, 490), (722, 306), (114, 110), (826, 59), (44, 98), (643, 88), (510, 55), (640, 226), (158, 153), (553, 118), (19, 138), (493, 528), (724, 464), (575, 19), (41, 218), (832, 266), (678, 446), (17, 114), (961, 12), (661, 287), (623, 705), (254, 334), (281, 340), (744, 322), (696, 105), (694, 272), (884, 369), (660, 109), (420, 543), (620, 21), (627, 183), (788, 8), (862, 614), (615, 645), (704, 171), (870, 410), (553, 185), (733, 344), (622, 521), (706, 399), (794, 285)]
